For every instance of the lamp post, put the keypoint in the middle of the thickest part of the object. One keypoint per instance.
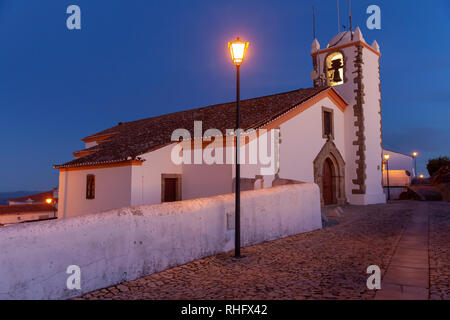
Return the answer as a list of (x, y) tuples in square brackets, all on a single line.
[(52, 202), (237, 50), (415, 154), (386, 158)]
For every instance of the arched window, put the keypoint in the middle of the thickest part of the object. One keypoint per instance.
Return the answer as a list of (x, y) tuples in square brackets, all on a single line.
[(335, 69)]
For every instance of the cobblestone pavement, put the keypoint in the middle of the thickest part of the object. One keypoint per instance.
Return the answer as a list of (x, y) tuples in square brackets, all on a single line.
[(439, 251), (326, 264)]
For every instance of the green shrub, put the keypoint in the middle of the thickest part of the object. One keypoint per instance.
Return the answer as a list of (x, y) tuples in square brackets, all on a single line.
[(435, 164)]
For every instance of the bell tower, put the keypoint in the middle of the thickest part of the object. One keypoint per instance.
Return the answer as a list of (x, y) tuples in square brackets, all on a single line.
[(352, 68)]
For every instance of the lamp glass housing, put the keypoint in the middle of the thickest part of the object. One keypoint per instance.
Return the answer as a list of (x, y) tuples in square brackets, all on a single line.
[(237, 51)]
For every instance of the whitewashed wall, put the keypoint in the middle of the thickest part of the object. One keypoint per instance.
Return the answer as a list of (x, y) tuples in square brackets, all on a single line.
[(202, 180), (11, 218), (372, 127), (302, 139), (125, 244), (112, 190), (146, 179)]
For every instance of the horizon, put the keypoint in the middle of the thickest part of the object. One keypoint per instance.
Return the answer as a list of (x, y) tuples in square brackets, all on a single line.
[(58, 86)]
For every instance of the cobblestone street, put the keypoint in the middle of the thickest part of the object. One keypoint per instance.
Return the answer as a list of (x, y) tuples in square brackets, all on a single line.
[(326, 264)]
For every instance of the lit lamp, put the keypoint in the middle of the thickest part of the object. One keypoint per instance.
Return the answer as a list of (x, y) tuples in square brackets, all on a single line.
[(415, 154), (237, 51), (422, 176), (50, 201), (386, 159)]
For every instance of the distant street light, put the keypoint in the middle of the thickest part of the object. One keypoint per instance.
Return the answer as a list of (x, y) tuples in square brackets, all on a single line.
[(415, 154), (386, 158), (52, 202), (237, 50)]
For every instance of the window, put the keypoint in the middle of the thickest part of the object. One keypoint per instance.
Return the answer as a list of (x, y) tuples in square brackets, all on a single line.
[(327, 123), (90, 186), (170, 187), (335, 69)]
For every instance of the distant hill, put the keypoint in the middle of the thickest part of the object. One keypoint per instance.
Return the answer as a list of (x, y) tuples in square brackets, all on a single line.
[(5, 196)]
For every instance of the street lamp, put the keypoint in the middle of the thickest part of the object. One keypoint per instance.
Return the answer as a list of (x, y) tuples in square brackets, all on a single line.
[(237, 50), (415, 154), (51, 202), (386, 158)]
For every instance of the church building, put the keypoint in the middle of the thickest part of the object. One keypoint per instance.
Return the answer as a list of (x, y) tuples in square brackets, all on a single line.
[(329, 134)]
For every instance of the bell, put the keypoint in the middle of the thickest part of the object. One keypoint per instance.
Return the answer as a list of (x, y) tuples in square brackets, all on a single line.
[(336, 65), (337, 76)]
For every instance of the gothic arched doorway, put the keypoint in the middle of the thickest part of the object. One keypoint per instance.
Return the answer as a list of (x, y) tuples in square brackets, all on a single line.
[(329, 174), (328, 188)]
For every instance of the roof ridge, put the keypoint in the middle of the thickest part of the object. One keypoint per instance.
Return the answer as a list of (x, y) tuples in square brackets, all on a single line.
[(221, 104), (140, 136), (104, 132)]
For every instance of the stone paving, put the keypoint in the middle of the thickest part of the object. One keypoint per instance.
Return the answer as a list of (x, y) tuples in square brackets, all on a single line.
[(407, 276), (439, 251), (326, 264)]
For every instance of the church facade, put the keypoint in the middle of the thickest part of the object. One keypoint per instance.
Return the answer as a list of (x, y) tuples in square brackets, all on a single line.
[(329, 134)]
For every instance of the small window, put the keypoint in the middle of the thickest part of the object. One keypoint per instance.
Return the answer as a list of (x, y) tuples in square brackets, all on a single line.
[(90, 186), (327, 123)]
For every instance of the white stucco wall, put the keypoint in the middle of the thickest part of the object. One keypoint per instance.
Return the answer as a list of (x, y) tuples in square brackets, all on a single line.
[(128, 243), (372, 127), (146, 179), (302, 139), (112, 190), (202, 180), (397, 178), (11, 218)]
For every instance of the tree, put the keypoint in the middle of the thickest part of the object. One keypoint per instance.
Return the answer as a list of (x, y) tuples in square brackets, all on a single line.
[(435, 164)]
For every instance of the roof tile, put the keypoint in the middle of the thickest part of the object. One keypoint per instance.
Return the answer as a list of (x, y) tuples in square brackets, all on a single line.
[(132, 139)]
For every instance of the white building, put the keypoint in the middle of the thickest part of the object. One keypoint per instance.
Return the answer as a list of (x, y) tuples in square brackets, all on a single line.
[(19, 213), (400, 161), (38, 198), (329, 134), (401, 172)]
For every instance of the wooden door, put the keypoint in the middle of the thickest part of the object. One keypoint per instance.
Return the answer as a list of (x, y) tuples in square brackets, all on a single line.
[(170, 189), (327, 183)]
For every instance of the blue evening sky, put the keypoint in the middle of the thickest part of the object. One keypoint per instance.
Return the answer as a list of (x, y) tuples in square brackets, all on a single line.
[(139, 58)]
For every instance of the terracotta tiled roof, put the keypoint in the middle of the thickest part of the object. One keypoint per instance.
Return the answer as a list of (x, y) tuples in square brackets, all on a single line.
[(129, 140), (38, 197), (25, 208)]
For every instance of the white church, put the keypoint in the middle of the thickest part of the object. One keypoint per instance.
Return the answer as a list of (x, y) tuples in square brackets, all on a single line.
[(330, 134)]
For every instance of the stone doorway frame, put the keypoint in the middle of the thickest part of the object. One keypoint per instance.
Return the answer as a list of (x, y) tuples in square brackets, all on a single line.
[(330, 151)]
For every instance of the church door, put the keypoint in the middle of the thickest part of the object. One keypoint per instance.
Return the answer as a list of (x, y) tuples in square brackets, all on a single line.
[(327, 180)]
